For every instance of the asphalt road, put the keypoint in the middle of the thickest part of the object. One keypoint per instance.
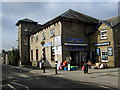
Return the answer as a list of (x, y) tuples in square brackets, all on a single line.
[(16, 79)]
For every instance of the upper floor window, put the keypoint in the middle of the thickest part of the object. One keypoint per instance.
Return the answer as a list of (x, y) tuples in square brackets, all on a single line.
[(32, 39), (103, 33), (37, 38), (25, 41), (52, 32), (43, 36), (25, 29)]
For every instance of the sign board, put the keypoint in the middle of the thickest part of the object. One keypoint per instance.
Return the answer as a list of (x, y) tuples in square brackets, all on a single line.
[(102, 44), (34, 63), (110, 51), (57, 41), (58, 50), (49, 44), (75, 40), (74, 48)]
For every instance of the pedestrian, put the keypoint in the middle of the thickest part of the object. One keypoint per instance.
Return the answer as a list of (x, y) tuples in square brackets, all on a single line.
[(86, 65)]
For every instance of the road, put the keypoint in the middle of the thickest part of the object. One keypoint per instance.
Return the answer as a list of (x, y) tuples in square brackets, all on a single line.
[(17, 79)]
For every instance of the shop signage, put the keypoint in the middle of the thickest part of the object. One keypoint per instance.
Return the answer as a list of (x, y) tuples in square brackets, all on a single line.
[(49, 44), (75, 40), (110, 51), (57, 41), (73, 48), (74, 44), (102, 44)]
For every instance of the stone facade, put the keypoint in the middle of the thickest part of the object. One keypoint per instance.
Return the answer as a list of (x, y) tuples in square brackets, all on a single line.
[(97, 39), (71, 34), (25, 29)]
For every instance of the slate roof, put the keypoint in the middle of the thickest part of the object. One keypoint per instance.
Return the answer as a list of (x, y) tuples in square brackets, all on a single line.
[(114, 20), (25, 20), (71, 14)]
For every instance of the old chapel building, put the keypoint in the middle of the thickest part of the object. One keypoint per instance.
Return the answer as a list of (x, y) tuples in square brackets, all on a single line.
[(69, 34)]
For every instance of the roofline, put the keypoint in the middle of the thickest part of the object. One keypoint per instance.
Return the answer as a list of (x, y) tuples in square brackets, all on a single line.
[(19, 21), (111, 17)]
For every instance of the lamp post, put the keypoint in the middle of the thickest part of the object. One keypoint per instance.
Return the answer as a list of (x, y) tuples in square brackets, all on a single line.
[(43, 59)]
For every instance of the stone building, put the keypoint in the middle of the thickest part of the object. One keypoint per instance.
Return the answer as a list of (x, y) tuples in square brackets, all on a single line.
[(25, 28), (105, 42), (64, 36), (70, 34)]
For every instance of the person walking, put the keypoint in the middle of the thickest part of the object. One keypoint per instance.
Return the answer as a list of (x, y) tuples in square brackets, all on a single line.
[(86, 65)]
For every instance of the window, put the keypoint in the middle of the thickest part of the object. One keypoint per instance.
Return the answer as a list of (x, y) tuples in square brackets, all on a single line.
[(52, 53), (31, 39), (43, 36), (31, 54), (25, 41), (52, 32), (25, 29), (36, 54), (36, 38), (104, 56), (103, 33)]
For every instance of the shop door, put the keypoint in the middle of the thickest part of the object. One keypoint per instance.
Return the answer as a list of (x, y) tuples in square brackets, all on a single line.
[(75, 57)]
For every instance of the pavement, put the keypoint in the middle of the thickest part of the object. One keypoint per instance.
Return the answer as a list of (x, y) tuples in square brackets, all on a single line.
[(104, 77)]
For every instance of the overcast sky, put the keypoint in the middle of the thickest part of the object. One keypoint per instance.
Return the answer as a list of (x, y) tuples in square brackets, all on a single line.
[(44, 11)]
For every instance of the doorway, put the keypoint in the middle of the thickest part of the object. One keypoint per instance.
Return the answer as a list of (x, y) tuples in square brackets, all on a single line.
[(75, 57)]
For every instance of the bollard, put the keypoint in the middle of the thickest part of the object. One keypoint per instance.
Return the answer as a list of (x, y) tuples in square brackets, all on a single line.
[(43, 67), (56, 67)]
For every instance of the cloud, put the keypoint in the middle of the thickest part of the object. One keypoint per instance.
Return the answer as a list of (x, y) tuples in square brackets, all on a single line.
[(60, 0), (44, 11)]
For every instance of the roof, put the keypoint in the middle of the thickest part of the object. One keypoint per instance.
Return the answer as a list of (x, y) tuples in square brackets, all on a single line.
[(25, 20), (114, 20), (71, 14), (79, 16)]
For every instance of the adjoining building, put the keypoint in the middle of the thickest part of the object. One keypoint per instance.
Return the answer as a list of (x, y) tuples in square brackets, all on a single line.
[(69, 34), (105, 42)]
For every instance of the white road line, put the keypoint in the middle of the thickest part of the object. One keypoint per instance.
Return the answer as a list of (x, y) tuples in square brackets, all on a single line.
[(20, 85), (23, 75), (11, 87), (104, 87)]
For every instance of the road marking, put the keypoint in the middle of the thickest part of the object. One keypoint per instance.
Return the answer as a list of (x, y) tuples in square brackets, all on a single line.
[(11, 87), (10, 77), (104, 87), (20, 85), (23, 75)]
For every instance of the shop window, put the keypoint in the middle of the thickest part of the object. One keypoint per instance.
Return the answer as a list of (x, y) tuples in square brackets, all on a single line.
[(25, 41), (43, 36), (103, 33), (52, 33), (52, 53), (31, 54), (104, 56)]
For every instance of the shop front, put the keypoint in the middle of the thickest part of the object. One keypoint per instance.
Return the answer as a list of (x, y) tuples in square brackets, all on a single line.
[(104, 53), (77, 53)]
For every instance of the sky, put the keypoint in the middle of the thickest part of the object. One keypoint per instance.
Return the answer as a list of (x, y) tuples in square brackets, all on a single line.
[(44, 11)]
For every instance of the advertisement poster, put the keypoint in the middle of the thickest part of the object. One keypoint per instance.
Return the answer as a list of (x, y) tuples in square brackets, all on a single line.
[(58, 50), (110, 51), (57, 41)]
